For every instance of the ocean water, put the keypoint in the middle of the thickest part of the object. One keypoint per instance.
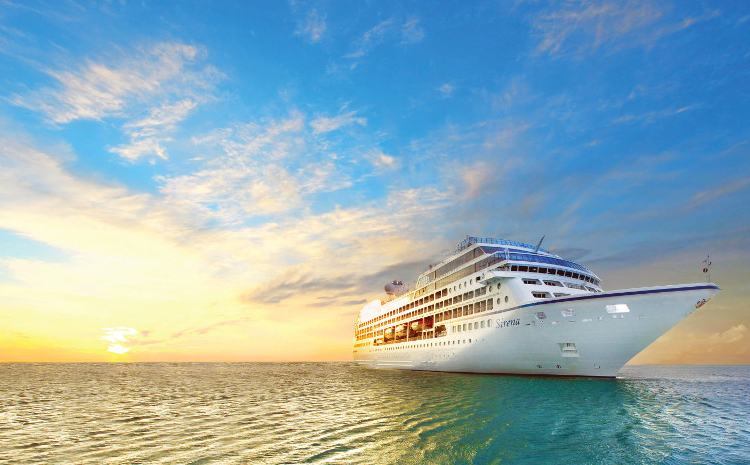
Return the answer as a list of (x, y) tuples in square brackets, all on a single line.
[(339, 413)]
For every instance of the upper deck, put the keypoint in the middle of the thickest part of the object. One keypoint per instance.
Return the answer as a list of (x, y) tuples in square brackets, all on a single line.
[(496, 250), (477, 263)]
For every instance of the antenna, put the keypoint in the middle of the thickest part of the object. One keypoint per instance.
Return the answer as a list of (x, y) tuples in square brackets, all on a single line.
[(539, 245)]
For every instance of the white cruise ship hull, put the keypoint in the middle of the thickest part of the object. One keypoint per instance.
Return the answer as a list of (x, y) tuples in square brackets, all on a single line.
[(579, 335)]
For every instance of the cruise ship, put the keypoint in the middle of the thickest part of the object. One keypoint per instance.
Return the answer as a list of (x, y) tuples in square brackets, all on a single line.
[(501, 306)]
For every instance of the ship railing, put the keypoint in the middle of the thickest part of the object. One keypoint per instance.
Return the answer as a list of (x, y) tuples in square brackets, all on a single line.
[(532, 258), (489, 240)]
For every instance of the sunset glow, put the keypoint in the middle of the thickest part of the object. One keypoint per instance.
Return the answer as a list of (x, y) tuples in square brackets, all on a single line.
[(233, 182)]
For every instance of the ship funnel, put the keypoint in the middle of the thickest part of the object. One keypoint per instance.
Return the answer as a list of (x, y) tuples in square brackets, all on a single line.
[(394, 288)]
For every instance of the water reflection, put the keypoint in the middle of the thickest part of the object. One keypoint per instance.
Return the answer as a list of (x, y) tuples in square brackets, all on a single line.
[(341, 413)]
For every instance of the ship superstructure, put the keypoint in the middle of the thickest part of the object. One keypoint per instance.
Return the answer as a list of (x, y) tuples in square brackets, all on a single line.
[(501, 306)]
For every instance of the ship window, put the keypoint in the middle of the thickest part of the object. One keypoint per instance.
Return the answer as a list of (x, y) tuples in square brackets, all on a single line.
[(543, 270), (568, 274), (560, 273), (506, 299), (489, 304), (514, 268), (490, 288), (532, 269), (575, 276), (553, 283), (618, 308), (489, 322), (464, 327), (476, 325), (531, 281), (481, 325), (523, 268), (551, 271)]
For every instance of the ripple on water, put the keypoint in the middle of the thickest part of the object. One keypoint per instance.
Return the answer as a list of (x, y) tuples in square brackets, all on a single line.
[(340, 413)]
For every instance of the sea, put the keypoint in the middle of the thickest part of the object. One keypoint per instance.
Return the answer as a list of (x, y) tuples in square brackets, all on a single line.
[(340, 413)]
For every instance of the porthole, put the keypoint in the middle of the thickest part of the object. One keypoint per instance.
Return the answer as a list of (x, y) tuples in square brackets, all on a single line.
[(490, 288), (498, 286), (506, 299), (498, 300), (471, 281), (459, 286)]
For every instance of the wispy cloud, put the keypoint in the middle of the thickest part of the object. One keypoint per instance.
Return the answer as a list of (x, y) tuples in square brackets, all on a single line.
[(446, 90), (323, 124), (652, 116), (313, 26), (412, 31), (268, 167), (710, 195), (383, 161), (579, 27), (152, 88), (389, 30)]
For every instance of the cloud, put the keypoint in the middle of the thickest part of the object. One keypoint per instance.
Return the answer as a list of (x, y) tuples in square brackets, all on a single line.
[(96, 90), (324, 124), (118, 349), (412, 31), (580, 27), (446, 90), (389, 30), (313, 27), (115, 335), (153, 88), (710, 195), (383, 161), (269, 167), (651, 116)]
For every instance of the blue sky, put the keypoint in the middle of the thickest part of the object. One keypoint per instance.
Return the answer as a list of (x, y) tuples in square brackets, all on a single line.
[(209, 173)]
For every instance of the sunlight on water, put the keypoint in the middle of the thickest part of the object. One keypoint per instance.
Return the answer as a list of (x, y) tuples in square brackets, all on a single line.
[(339, 413)]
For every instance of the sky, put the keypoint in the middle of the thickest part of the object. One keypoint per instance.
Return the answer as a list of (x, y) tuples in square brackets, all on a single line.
[(233, 181)]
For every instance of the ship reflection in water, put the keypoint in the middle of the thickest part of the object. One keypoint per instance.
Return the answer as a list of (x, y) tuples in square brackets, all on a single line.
[(339, 413)]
